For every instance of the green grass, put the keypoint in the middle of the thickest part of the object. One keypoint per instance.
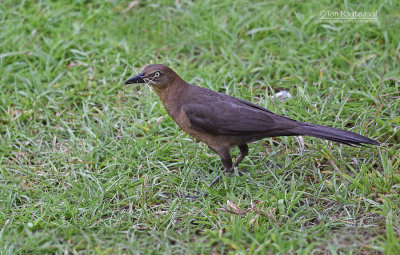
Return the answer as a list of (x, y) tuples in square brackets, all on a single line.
[(91, 165)]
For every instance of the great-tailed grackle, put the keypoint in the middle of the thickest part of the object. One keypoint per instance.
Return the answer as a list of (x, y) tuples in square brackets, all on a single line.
[(222, 121)]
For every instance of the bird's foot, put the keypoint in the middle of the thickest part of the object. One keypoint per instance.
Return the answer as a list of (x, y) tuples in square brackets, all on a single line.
[(242, 171), (198, 195), (228, 173), (237, 172)]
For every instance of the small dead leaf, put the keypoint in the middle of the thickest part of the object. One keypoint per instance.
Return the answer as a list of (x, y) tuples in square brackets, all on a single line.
[(223, 210), (346, 221), (233, 206), (130, 6), (213, 213), (329, 183), (233, 246), (221, 232), (253, 205), (159, 119), (14, 112), (301, 140), (251, 222), (69, 65), (271, 215), (72, 64)]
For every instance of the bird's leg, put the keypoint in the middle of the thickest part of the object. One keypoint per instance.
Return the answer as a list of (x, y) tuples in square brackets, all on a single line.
[(226, 163), (216, 180), (244, 151)]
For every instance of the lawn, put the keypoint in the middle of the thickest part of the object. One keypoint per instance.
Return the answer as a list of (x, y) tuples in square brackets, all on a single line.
[(90, 165)]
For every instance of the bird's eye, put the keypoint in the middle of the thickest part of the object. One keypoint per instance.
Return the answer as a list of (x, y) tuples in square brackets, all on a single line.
[(157, 74)]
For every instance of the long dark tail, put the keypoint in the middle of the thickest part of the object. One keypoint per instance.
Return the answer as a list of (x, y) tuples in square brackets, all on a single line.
[(333, 134)]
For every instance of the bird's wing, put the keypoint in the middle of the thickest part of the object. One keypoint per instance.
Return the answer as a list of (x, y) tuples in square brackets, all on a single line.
[(232, 116)]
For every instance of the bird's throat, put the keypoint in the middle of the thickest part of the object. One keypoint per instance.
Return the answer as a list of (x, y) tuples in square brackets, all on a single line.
[(170, 97)]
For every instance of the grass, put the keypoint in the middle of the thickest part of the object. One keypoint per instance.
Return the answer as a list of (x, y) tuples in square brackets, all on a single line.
[(89, 165)]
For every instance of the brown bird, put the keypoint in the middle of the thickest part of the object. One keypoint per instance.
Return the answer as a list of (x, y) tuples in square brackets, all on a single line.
[(223, 122)]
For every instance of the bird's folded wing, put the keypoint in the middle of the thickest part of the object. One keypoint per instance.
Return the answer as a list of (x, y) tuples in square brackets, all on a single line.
[(227, 117)]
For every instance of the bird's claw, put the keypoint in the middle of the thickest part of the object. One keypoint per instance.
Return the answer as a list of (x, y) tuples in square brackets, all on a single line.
[(236, 172), (198, 195)]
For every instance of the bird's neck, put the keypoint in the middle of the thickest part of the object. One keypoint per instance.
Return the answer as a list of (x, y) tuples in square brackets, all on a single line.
[(171, 96)]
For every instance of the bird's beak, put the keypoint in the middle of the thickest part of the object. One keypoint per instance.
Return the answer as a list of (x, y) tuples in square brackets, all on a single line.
[(136, 79)]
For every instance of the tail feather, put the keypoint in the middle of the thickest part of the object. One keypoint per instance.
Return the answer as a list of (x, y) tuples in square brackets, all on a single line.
[(333, 134)]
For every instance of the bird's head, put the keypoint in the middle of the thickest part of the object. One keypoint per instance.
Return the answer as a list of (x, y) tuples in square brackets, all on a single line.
[(157, 75)]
